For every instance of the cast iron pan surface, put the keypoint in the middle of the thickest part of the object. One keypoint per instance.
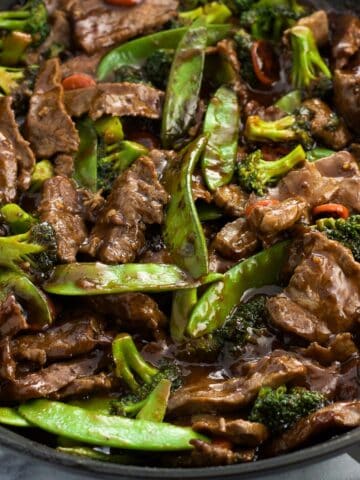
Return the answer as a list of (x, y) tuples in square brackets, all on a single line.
[(251, 470)]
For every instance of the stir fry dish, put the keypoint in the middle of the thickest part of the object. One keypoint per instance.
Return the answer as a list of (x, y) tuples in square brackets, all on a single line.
[(179, 228)]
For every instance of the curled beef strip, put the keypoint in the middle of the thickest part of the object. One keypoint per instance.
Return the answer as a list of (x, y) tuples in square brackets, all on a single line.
[(339, 349), (60, 206), (120, 99), (235, 240), (81, 64), (211, 455), (231, 199), (25, 158), (12, 317), (8, 171), (319, 25), (7, 363), (49, 127), (347, 97), (230, 395), (101, 382), (346, 39), (335, 417), (97, 25), (323, 295), (136, 200)]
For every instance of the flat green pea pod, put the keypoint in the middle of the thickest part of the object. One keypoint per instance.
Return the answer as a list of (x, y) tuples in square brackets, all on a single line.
[(183, 88), (106, 430), (100, 279), (221, 298), (290, 102), (221, 125), (10, 416), (100, 405), (156, 403), (137, 51), (85, 164), (183, 233), (318, 153)]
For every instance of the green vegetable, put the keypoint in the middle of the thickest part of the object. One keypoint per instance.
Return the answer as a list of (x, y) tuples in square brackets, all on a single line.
[(43, 171), (183, 88), (129, 73), (18, 220), (214, 12), (110, 431), (10, 78), (318, 153), (290, 102), (208, 212), (221, 298), (13, 47), (157, 67), (110, 129), (221, 125), (345, 231), (155, 405), (101, 405), (183, 233), (279, 409), (255, 173), (85, 163), (243, 45), (308, 66), (135, 52), (10, 416)]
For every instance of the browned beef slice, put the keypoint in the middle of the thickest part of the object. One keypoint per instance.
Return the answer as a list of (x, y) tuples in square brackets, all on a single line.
[(64, 165), (272, 219), (319, 24), (118, 99), (98, 25), (161, 159), (227, 50), (335, 417), (136, 200), (92, 203), (199, 190), (326, 126), (348, 386), (230, 395), (73, 338), (238, 431), (50, 129), (7, 363), (24, 156), (211, 455), (12, 317), (60, 206), (339, 349), (347, 97), (340, 165), (8, 171), (231, 199), (60, 32), (50, 380), (100, 382), (346, 39), (235, 240), (81, 64), (323, 295)]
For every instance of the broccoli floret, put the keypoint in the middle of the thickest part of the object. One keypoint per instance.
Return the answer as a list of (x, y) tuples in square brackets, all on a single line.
[(128, 73), (43, 171), (13, 47), (279, 409), (33, 253), (214, 12), (239, 6), (269, 18), (202, 349), (10, 78), (255, 173), (308, 67), (243, 44), (31, 18), (345, 231), (157, 67)]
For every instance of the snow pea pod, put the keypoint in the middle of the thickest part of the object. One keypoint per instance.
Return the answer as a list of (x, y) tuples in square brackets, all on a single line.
[(183, 88), (183, 233), (222, 124), (85, 164), (99, 279), (137, 51), (106, 430), (10, 416), (221, 298)]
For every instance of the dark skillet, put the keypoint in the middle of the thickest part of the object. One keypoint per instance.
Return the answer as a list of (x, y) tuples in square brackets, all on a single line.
[(289, 462)]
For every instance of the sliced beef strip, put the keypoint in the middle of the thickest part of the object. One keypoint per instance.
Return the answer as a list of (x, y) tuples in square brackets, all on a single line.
[(347, 97), (319, 25), (212, 455), (326, 126), (98, 383), (60, 206), (9, 129), (12, 317), (238, 431), (231, 199), (346, 39), (348, 386), (92, 203), (64, 165), (339, 165), (49, 127), (230, 395), (120, 99), (8, 171), (339, 349), (235, 240), (7, 363), (81, 64), (60, 32), (136, 200), (98, 25), (336, 417), (199, 190), (161, 159)]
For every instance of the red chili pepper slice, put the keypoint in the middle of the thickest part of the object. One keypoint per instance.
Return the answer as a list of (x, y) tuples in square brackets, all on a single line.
[(265, 64), (260, 203), (332, 210), (78, 80)]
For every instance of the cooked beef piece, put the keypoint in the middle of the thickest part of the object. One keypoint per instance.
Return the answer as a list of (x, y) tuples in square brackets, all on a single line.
[(348, 386), (231, 199), (8, 171), (269, 114), (227, 49), (346, 39), (60, 206), (92, 203), (137, 199), (75, 337), (219, 264), (98, 383), (134, 311), (49, 127), (335, 417), (81, 64), (25, 158), (347, 97), (323, 294), (212, 455), (161, 159), (64, 165), (339, 349), (230, 395), (235, 240), (339, 165), (326, 126), (319, 24), (60, 33), (158, 256), (12, 317), (7, 363), (199, 190), (319, 378), (49, 380), (275, 218), (238, 431), (120, 99), (98, 25)]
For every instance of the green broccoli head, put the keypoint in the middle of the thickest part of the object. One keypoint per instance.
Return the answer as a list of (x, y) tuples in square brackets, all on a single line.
[(157, 67), (256, 174), (129, 73), (243, 43), (345, 231), (279, 409), (239, 6)]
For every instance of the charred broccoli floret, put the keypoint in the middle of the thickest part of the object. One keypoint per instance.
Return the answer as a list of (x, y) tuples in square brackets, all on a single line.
[(255, 173), (129, 73), (279, 409), (308, 68), (345, 231), (157, 67), (243, 44)]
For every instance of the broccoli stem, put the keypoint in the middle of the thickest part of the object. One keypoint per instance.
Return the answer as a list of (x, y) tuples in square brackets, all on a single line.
[(276, 131), (278, 168)]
